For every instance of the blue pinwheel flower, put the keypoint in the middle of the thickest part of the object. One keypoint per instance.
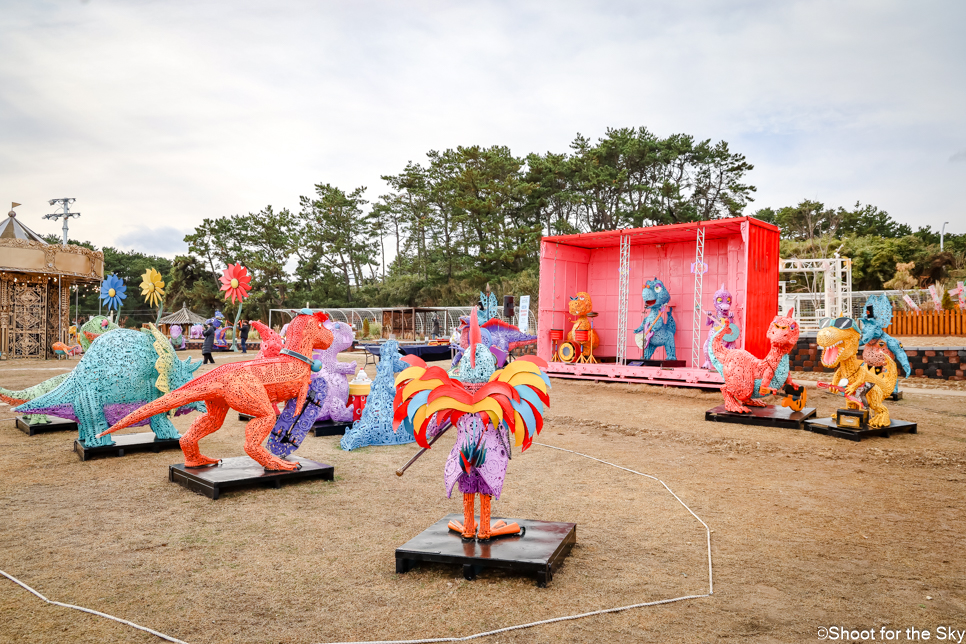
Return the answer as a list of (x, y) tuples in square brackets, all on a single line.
[(113, 292)]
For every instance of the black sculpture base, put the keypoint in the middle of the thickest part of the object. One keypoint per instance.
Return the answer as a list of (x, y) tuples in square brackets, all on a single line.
[(666, 364), (55, 425), (242, 471), (770, 416), (126, 443), (828, 427), (331, 428), (540, 551)]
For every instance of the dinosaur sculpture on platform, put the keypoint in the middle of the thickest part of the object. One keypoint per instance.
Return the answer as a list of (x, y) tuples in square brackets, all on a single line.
[(874, 380), (375, 426), (747, 379), (492, 411), (723, 314), (839, 340), (658, 327), (580, 307), (878, 315), (121, 372), (252, 387)]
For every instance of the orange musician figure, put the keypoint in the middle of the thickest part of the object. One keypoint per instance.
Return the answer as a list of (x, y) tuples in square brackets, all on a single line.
[(581, 307)]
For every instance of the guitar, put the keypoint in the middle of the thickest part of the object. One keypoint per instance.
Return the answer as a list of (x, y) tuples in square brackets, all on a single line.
[(644, 338), (835, 389)]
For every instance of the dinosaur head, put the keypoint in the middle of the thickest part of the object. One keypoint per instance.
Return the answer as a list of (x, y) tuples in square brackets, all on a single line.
[(307, 332), (722, 300), (876, 354), (581, 304), (342, 335), (878, 315), (783, 331), (655, 294), (839, 339), (96, 326)]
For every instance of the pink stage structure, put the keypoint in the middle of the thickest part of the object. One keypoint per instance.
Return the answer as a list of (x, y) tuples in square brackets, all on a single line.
[(692, 260)]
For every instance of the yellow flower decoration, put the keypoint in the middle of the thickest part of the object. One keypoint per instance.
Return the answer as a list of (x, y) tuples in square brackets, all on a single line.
[(152, 287)]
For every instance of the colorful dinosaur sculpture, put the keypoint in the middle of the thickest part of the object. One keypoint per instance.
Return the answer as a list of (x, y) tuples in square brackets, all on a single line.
[(26, 395), (747, 378), (494, 333), (878, 315), (252, 387), (722, 314), (490, 310), (580, 305), (121, 372), (874, 380), (271, 342), (839, 340), (658, 326), (177, 337), (487, 406), (196, 332), (94, 328), (375, 426), (327, 398)]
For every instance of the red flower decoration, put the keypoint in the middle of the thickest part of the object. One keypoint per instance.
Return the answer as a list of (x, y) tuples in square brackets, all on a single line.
[(236, 282)]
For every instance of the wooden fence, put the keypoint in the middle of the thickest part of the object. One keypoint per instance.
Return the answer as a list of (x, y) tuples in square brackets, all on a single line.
[(927, 323)]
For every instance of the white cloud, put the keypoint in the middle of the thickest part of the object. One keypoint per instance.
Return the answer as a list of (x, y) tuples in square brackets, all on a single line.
[(164, 241), (158, 114)]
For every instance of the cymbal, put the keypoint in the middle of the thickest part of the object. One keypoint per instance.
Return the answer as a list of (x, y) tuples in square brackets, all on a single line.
[(593, 314)]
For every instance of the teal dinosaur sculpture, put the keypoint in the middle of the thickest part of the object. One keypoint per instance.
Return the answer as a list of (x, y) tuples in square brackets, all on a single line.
[(119, 373)]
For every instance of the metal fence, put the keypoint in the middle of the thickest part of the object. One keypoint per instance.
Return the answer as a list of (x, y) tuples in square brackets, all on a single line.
[(809, 307)]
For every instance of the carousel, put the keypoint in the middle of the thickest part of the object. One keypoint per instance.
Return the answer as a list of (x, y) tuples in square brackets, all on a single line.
[(35, 286)]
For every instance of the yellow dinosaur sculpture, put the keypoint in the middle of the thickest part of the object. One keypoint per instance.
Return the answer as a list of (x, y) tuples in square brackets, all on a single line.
[(877, 377), (840, 343), (580, 306)]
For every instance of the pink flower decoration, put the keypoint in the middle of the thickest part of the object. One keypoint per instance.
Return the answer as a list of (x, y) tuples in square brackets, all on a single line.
[(236, 282)]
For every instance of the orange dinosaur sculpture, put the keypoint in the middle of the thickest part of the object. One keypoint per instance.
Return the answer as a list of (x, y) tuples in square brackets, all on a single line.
[(253, 387), (580, 306)]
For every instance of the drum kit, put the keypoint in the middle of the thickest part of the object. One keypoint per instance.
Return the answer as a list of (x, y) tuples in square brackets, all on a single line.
[(568, 351)]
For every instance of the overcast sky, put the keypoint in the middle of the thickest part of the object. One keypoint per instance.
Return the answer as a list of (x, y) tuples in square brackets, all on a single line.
[(155, 115)]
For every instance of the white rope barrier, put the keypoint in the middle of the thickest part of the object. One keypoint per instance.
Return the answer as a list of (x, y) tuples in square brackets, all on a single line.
[(466, 638)]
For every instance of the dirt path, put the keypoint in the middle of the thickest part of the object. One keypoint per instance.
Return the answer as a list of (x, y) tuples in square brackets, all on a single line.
[(809, 532)]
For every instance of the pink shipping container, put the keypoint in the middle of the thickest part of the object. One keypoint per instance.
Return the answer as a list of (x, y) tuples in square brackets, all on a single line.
[(741, 253)]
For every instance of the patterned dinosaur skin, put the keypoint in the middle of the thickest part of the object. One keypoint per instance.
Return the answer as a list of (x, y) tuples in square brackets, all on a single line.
[(722, 313), (375, 426), (292, 427), (878, 315), (580, 305), (877, 376), (336, 374), (748, 378), (25, 395), (122, 371), (251, 387), (93, 328), (839, 349), (655, 296)]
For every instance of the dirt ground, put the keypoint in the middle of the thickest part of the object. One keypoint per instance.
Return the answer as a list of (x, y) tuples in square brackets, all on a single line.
[(809, 532)]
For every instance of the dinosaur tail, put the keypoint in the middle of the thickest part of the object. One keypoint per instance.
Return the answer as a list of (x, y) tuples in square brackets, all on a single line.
[(12, 397), (165, 403), (50, 402)]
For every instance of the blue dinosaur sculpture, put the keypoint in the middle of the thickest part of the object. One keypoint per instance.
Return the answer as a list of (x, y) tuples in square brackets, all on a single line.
[(658, 331), (375, 426), (121, 371), (490, 310), (878, 315)]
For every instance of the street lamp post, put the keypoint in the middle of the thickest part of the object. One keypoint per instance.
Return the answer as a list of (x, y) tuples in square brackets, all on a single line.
[(67, 214), (942, 233)]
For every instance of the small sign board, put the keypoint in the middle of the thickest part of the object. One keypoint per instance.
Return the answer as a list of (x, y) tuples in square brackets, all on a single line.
[(524, 321)]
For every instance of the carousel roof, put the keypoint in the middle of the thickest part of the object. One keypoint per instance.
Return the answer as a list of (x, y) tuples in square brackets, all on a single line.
[(10, 228), (184, 316)]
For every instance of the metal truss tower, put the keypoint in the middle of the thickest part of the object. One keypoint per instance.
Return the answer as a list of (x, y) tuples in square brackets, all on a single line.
[(624, 278), (697, 313)]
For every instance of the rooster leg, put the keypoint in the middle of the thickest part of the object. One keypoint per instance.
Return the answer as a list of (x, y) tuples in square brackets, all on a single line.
[(499, 528), (468, 527)]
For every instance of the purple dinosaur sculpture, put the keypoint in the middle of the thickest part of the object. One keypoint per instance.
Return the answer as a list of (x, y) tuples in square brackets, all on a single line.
[(335, 373), (723, 312), (495, 333)]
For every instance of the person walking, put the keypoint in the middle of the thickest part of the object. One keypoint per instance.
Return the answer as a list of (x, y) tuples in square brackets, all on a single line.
[(209, 335), (243, 334), (435, 325)]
